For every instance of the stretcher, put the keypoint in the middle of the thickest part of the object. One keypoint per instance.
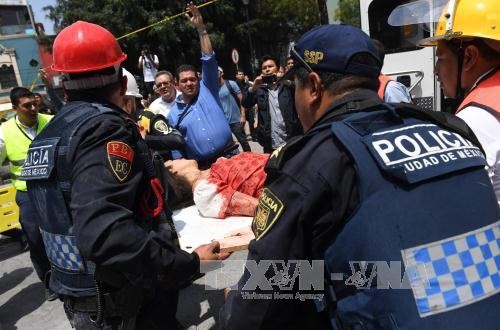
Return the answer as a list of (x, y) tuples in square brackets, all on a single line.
[(193, 229), (9, 211)]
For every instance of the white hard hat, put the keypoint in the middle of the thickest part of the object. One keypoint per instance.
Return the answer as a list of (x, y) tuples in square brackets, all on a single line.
[(132, 89)]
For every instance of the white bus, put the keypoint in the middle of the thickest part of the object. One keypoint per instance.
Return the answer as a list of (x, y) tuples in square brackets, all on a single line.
[(404, 61)]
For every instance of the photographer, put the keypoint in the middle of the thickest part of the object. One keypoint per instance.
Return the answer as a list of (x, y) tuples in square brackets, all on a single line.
[(148, 63), (278, 120)]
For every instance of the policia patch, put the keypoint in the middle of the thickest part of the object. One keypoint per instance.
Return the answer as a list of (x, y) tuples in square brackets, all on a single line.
[(120, 156), (268, 211)]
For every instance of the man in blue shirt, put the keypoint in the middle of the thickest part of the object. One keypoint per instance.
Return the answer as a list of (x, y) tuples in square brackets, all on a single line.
[(390, 90), (230, 97), (197, 112)]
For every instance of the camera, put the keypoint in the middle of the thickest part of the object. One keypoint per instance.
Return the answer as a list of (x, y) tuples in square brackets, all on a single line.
[(269, 79)]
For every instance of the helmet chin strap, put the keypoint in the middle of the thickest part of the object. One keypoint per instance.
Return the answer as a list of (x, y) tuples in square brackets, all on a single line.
[(459, 93)]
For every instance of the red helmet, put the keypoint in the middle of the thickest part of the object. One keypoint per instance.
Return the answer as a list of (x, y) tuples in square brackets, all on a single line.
[(83, 47)]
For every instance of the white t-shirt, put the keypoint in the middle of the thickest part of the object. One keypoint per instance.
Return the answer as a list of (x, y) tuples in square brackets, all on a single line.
[(149, 70), (487, 130), (159, 106)]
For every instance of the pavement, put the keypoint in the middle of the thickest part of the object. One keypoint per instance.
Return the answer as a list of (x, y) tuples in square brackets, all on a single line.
[(23, 305), (22, 295)]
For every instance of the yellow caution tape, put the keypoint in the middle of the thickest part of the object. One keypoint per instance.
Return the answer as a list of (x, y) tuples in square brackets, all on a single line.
[(165, 20), (32, 86)]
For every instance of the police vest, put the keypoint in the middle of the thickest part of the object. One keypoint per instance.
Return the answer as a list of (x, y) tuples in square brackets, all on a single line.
[(16, 146), (485, 95), (384, 81), (47, 172), (421, 250)]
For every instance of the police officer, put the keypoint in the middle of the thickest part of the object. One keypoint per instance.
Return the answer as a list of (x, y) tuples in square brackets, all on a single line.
[(468, 67), (90, 175), (371, 182)]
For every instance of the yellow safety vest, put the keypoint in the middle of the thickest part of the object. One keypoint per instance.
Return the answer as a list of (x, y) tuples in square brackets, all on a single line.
[(17, 144)]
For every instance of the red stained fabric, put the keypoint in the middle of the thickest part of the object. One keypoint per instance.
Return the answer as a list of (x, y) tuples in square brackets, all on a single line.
[(243, 173)]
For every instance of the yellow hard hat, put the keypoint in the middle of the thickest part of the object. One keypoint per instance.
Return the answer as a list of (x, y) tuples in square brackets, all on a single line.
[(466, 19)]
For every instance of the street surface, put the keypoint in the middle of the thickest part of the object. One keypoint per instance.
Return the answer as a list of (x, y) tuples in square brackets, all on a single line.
[(23, 305), (22, 295)]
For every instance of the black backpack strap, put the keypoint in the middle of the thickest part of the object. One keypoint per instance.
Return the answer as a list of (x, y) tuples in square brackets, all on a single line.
[(183, 115), (350, 106), (77, 115), (443, 119), (233, 93)]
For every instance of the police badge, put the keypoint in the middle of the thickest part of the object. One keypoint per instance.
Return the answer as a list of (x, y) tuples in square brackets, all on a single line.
[(120, 156), (268, 211)]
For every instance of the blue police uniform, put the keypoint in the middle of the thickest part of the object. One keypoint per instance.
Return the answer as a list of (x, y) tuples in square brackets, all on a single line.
[(375, 185), (111, 253)]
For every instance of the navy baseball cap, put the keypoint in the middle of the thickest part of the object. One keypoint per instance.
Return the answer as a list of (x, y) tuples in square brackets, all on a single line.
[(331, 48)]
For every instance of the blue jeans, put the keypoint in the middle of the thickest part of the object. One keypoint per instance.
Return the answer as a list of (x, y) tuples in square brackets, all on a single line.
[(30, 222)]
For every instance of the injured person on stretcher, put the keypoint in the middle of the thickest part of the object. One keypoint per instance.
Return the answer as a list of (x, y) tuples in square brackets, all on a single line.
[(230, 187)]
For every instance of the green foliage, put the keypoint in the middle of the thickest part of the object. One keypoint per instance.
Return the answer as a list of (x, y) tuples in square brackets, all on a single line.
[(348, 12), (272, 25)]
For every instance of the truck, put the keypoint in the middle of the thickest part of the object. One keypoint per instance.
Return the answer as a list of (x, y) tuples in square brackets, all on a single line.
[(390, 22)]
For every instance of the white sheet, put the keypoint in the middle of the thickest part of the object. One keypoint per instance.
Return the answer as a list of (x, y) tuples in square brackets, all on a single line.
[(194, 229)]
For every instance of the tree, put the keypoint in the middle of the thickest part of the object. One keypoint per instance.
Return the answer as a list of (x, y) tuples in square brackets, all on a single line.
[(323, 11), (272, 25), (348, 12)]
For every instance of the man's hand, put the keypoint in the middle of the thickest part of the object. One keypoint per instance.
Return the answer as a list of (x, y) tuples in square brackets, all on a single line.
[(243, 118), (211, 252), (43, 76), (195, 18), (256, 83), (226, 293)]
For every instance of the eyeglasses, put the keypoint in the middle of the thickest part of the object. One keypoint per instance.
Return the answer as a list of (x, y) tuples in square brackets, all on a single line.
[(164, 83), (302, 62)]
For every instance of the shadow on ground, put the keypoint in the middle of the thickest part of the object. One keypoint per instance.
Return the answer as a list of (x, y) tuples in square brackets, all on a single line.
[(11, 280), (23, 303), (10, 247), (199, 307)]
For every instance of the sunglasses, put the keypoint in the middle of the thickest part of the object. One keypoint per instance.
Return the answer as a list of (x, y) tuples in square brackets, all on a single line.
[(301, 61)]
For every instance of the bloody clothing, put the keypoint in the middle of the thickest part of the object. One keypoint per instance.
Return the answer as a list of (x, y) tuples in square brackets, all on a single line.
[(233, 186)]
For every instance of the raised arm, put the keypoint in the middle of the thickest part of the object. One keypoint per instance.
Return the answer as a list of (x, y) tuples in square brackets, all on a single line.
[(196, 19)]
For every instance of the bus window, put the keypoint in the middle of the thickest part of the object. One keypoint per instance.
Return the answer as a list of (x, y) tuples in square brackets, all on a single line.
[(396, 39)]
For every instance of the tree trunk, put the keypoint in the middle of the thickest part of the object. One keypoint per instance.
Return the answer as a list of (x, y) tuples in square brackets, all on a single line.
[(323, 12)]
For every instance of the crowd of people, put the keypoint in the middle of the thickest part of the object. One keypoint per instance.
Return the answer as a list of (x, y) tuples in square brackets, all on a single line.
[(351, 171)]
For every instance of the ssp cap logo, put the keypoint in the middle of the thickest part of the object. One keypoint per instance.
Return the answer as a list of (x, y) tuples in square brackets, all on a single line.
[(313, 57)]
